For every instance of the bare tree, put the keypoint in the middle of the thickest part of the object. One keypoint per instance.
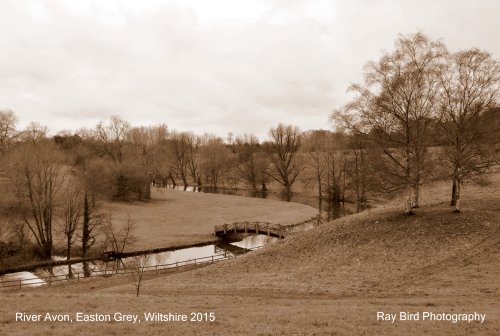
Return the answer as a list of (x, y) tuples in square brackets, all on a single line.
[(146, 143), (357, 167), (138, 265), (39, 177), (251, 166), (282, 151), (34, 132), (335, 174), (469, 86), (8, 122), (118, 240), (213, 159), (315, 143), (71, 214), (180, 148), (112, 137), (393, 107)]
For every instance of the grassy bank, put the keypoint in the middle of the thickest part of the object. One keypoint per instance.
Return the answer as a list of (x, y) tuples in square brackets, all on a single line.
[(176, 218), (329, 281)]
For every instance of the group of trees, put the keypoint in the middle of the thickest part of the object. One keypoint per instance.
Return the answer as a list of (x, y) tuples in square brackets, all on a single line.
[(420, 96), (422, 113)]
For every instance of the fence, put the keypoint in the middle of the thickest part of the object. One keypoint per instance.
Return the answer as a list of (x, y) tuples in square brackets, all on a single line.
[(276, 230), (77, 277)]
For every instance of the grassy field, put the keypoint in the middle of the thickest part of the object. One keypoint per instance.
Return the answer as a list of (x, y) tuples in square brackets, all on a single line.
[(329, 281), (176, 217)]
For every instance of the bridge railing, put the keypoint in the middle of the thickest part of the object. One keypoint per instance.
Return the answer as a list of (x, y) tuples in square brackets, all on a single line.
[(262, 227), (257, 227)]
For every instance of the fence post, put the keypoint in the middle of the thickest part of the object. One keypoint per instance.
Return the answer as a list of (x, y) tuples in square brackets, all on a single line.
[(257, 228), (235, 226), (50, 281), (156, 266), (78, 277), (225, 228), (20, 283), (246, 227), (268, 229), (176, 265), (212, 259)]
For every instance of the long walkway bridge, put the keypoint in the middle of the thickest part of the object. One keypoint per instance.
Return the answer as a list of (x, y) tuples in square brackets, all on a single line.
[(265, 228)]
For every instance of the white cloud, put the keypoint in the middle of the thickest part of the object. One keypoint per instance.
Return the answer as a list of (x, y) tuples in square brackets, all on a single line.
[(214, 66)]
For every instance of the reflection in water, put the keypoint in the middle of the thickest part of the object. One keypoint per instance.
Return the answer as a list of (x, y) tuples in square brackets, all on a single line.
[(181, 256), (254, 241), (28, 280), (328, 210)]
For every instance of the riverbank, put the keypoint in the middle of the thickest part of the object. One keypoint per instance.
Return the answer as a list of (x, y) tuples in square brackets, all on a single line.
[(331, 280), (176, 218)]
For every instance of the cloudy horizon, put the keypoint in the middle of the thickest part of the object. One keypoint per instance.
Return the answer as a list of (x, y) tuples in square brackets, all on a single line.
[(218, 67)]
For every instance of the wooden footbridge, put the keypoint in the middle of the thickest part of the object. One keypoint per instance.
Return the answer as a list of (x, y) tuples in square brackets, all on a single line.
[(265, 228)]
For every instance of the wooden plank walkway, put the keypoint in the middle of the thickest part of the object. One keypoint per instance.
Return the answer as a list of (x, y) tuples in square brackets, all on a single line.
[(265, 228)]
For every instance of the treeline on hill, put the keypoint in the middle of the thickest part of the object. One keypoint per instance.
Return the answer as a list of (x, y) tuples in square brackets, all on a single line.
[(421, 114)]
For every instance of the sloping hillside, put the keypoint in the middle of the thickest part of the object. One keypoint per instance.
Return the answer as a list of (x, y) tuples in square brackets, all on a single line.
[(328, 281)]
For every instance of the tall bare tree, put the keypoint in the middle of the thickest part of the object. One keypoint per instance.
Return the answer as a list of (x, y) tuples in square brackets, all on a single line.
[(393, 106), (213, 159), (251, 166), (112, 136), (315, 145), (469, 86), (8, 122), (146, 146), (72, 208), (180, 147), (39, 178), (138, 265), (282, 151)]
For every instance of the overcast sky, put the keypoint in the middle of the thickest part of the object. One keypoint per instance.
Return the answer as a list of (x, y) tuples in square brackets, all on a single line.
[(213, 66)]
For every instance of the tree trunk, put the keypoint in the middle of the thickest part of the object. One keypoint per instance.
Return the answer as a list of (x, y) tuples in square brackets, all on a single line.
[(416, 195), (86, 223), (172, 179), (68, 256), (288, 193), (184, 181), (453, 201), (148, 188), (408, 210), (86, 269), (458, 195)]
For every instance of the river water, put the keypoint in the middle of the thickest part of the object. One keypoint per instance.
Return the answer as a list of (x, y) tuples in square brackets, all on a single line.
[(185, 256), (169, 259)]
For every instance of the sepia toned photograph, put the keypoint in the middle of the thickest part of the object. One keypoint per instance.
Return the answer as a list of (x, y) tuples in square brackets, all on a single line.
[(250, 167)]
